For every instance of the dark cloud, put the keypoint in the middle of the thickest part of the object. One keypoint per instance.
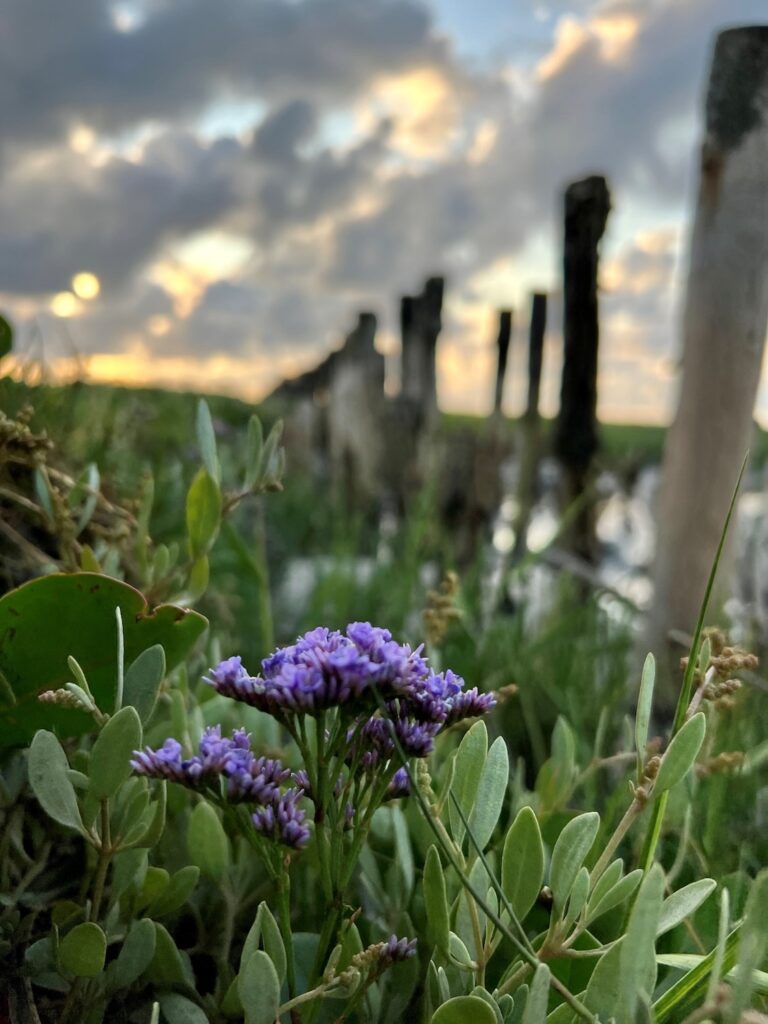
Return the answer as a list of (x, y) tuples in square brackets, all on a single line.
[(334, 223), (61, 66)]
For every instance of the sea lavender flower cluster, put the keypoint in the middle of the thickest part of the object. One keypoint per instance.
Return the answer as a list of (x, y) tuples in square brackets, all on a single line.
[(229, 768), (326, 668)]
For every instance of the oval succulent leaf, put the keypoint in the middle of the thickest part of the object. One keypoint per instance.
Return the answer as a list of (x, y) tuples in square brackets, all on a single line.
[(47, 768), (522, 862), (683, 903), (572, 846), (110, 763), (681, 753)]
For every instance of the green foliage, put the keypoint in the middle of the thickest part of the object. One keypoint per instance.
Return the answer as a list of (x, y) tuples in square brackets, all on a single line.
[(520, 861), (75, 614)]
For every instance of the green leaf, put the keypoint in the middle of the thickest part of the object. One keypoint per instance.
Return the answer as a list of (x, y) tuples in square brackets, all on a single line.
[(522, 862), (48, 768), (464, 1010), (155, 826), (206, 438), (179, 1010), (110, 763), (644, 707), (753, 944), (135, 954), (637, 963), (606, 881), (615, 896), (470, 758), (180, 888), (681, 753), (167, 966), (253, 449), (269, 454), (265, 932), (683, 903), (259, 989), (6, 337), (82, 950), (203, 512), (572, 846), (142, 680), (207, 842), (687, 993), (491, 791), (486, 996), (435, 900), (578, 897), (538, 996), (75, 613)]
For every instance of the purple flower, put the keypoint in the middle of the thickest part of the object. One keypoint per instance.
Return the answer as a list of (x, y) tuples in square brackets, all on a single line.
[(399, 786), (468, 704), (283, 821), (396, 950), (164, 763), (326, 668)]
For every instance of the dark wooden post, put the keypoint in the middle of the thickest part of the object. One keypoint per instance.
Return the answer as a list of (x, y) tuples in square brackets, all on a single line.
[(420, 323), (530, 427), (587, 204), (724, 327), (502, 346)]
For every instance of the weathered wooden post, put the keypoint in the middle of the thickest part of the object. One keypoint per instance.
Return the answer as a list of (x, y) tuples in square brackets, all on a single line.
[(420, 323), (502, 347), (724, 327), (530, 426), (587, 204)]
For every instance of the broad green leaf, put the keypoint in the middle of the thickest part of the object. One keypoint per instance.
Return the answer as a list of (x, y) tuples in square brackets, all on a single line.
[(175, 895), (110, 763), (615, 896), (156, 881), (522, 862), (207, 842), (75, 614), (683, 903), (259, 989), (491, 791), (206, 438), (637, 963), (180, 1010), (538, 996), (464, 1010), (458, 952), (681, 753), (486, 996), (253, 448), (203, 512), (142, 680), (48, 767), (82, 950), (603, 989), (644, 708), (135, 954), (470, 758), (606, 881), (572, 846), (435, 900), (167, 967)]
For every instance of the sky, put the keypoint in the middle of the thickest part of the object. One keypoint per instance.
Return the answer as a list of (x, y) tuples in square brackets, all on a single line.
[(204, 195)]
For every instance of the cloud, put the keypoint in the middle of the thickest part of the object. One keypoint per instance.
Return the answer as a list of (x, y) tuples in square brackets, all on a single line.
[(377, 154)]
